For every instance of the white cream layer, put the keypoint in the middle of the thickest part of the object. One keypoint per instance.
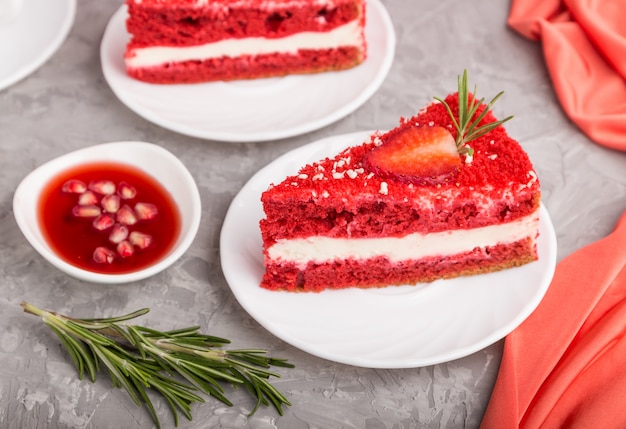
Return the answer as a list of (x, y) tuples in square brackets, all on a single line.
[(413, 246), (346, 35)]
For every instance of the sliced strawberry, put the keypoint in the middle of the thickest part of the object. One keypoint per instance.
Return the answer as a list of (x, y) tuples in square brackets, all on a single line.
[(422, 155)]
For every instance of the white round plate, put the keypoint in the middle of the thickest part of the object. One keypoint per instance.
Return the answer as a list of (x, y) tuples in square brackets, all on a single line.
[(32, 36), (394, 327), (252, 110)]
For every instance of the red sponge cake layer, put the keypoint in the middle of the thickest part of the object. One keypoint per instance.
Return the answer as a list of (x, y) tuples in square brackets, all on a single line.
[(380, 272), (168, 24), (249, 67), (183, 41)]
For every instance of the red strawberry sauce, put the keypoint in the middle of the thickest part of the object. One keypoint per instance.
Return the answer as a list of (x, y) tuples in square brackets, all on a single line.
[(74, 239)]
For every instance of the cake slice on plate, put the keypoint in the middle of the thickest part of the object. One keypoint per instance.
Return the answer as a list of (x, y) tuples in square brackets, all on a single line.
[(187, 41), (447, 193)]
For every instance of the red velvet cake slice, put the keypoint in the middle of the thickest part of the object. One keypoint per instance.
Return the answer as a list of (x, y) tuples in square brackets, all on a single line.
[(187, 41), (403, 208)]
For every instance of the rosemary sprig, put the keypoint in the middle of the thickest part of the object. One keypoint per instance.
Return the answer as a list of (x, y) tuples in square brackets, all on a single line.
[(467, 126), (177, 364)]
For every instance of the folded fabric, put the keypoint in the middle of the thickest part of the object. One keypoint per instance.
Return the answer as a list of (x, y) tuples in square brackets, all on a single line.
[(565, 365), (584, 45)]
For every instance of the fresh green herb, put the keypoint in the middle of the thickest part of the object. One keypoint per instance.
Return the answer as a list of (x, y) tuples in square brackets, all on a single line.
[(176, 364), (467, 127)]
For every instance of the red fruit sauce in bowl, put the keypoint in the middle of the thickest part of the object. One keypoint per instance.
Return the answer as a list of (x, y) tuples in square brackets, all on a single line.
[(111, 213)]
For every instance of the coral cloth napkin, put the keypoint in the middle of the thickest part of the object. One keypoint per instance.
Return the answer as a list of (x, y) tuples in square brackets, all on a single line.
[(565, 365), (584, 45)]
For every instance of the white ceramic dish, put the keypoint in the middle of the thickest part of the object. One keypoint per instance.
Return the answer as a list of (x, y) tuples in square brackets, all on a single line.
[(395, 327), (33, 36), (256, 110), (152, 159)]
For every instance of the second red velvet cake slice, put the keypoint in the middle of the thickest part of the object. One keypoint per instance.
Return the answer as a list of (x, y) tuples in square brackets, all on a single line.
[(187, 41)]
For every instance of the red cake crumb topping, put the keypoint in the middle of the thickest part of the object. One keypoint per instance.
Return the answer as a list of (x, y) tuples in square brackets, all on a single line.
[(494, 153)]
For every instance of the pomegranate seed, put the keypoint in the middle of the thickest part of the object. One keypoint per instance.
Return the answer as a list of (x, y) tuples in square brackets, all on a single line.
[(126, 191), (104, 221), (102, 187), (140, 239), (126, 215), (103, 255), (87, 198), (125, 249), (111, 203), (118, 234), (74, 186), (146, 211), (86, 211)]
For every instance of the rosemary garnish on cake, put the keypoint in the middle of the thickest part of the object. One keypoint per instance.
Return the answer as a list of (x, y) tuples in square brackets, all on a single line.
[(176, 364), (467, 128)]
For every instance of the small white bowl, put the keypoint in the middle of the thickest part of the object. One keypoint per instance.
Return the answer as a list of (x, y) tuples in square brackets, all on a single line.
[(152, 159)]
